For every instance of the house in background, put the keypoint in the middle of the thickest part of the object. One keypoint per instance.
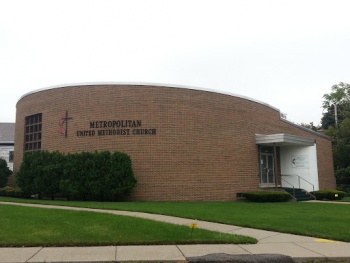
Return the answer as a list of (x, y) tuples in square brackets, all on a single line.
[(7, 142)]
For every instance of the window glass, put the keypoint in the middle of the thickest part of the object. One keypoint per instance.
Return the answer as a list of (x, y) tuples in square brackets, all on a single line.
[(266, 149), (11, 157), (32, 136)]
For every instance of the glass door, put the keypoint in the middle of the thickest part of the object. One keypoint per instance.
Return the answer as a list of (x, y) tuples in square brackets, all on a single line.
[(267, 174)]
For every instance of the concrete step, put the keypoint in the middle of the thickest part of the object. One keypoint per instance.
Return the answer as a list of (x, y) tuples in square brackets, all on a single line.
[(299, 194)]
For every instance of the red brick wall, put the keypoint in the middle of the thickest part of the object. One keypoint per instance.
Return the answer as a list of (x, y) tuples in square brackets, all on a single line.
[(204, 147)]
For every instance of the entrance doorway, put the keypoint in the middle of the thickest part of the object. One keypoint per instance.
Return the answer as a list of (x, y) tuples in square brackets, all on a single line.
[(267, 171), (275, 156)]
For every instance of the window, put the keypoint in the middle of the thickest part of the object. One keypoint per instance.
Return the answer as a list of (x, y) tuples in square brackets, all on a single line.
[(32, 134), (11, 157), (266, 149)]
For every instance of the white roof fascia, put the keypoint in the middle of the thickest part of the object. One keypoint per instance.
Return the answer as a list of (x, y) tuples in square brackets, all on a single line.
[(79, 85), (283, 139)]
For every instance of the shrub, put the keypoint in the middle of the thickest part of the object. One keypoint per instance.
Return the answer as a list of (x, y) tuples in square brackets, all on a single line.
[(78, 170), (11, 192), (40, 173), (81, 176), (343, 179), (328, 194), (267, 196), (5, 172)]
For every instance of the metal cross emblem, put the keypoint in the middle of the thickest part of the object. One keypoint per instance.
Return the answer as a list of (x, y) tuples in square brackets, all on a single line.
[(63, 123)]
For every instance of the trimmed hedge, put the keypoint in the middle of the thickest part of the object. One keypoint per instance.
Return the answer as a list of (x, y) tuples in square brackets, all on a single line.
[(40, 173), (328, 194), (80, 176), (267, 196), (97, 176), (12, 192)]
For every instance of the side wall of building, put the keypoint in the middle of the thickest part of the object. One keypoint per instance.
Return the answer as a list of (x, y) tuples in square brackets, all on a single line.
[(202, 145)]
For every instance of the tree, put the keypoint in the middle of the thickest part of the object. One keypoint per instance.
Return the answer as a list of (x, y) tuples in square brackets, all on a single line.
[(336, 123), (328, 118), (310, 126), (341, 154), (5, 172), (340, 95)]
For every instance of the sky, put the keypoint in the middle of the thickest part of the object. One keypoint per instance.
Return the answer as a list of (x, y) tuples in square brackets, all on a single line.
[(287, 54)]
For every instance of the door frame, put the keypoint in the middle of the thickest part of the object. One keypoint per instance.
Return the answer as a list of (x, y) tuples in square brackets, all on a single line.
[(270, 165)]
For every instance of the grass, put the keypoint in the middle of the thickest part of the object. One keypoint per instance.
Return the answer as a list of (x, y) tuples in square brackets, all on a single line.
[(345, 199), (330, 221), (28, 226)]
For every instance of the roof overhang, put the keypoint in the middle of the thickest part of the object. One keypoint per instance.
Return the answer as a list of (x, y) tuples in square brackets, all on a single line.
[(283, 139), (7, 142), (141, 84)]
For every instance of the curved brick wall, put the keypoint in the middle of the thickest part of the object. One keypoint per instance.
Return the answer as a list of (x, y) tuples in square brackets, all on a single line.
[(185, 144)]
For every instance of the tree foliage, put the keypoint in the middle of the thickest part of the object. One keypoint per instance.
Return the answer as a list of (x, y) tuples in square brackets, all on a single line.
[(85, 176), (336, 123), (340, 93), (310, 126), (337, 105), (5, 172)]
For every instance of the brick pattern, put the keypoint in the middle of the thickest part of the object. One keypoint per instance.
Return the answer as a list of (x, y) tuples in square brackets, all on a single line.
[(204, 147)]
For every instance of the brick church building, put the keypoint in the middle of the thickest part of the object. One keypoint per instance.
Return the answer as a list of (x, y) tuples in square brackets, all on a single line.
[(185, 143)]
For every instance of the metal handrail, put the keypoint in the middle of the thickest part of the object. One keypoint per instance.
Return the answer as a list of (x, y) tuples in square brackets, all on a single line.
[(313, 187), (299, 177), (289, 184)]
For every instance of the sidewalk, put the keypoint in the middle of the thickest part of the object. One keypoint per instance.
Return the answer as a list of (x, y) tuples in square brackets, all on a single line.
[(300, 248)]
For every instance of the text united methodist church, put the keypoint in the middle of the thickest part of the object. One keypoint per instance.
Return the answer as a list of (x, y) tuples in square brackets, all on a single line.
[(184, 143), (119, 127)]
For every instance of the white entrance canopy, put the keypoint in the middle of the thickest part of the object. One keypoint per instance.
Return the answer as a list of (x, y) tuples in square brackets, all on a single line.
[(283, 139)]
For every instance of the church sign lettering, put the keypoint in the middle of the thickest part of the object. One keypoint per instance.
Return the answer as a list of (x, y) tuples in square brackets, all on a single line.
[(116, 128)]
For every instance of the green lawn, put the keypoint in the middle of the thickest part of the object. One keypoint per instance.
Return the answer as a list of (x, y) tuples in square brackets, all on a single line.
[(346, 199), (28, 226), (311, 219)]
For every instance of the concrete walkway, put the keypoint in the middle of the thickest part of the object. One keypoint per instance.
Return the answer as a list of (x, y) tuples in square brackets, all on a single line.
[(300, 248)]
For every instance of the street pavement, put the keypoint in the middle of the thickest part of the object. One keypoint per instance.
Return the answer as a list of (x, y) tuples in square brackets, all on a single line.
[(300, 248)]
